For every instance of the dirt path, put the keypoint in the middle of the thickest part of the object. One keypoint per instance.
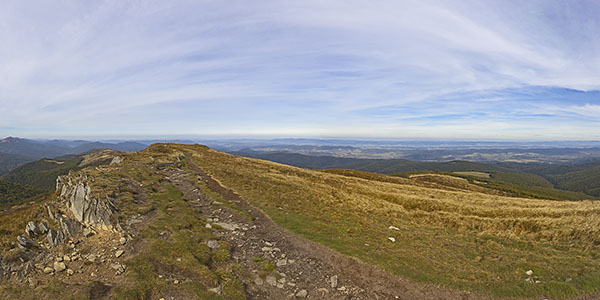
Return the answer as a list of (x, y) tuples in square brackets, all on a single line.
[(303, 269)]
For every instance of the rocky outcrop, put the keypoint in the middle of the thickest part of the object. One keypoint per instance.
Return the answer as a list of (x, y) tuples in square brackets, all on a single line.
[(75, 192)]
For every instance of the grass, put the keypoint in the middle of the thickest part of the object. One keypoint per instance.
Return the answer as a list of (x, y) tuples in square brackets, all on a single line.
[(460, 239)]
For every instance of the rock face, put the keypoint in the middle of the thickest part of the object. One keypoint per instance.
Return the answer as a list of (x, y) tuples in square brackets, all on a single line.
[(76, 193)]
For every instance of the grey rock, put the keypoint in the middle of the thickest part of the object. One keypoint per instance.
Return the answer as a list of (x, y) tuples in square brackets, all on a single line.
[(87, 232), (76, 192), (302, 294), (116, 160), (48, 270), (271, 280), (333, 280), (59, 266), (258, 281), (32, 229), (281, 262), (119, 253), (55, 238), (228, 226), (122, 240), (43, 228), (24, 242), (212, 244), (216, 290), (70, 272)]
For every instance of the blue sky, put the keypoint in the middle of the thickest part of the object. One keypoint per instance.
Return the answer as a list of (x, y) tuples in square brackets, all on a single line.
[(356, 69)]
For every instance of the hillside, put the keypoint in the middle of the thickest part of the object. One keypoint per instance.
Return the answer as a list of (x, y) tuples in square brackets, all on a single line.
[(35, 149), (189, 222), (523, 180), (11, 161)]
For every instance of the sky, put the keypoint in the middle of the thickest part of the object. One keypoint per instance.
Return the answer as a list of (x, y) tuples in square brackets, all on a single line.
[(524, 70)]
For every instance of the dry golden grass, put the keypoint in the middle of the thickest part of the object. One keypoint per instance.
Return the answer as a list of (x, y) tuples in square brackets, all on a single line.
[(463, 239)]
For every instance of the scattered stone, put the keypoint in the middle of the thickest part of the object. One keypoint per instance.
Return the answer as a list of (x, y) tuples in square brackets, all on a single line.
[(176, 281), (281, 262), (529, 273), (568, 279), (24, 242), (87, 232), (268, 244), (43, 228), (333, 280), (212, 244), (119, 253), (393, 228), (59, 266), (91, 258), (258, 281), (70, 272), (123, 240), (228, 226), (66, 258), (302, 294), (216, 290), (32, 282), (391, 239), (32, 229), (478, 259), (323, 291), (271, 280), (208, 226)]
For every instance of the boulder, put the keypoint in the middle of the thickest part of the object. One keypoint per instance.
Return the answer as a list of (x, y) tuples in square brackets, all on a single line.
[(24, 242), (32, 229)]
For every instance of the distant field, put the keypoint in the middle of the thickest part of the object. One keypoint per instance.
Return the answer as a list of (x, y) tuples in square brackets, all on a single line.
[(461, 239), (474, 174)]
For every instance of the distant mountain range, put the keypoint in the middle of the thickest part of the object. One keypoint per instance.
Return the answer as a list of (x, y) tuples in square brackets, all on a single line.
[(16, 151)]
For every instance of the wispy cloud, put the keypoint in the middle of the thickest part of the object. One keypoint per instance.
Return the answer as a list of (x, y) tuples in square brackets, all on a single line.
[(476, 69)]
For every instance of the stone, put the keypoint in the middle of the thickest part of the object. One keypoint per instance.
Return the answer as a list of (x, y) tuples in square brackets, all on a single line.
[(393, 228), (91, 258), (24, 242), (87, 232), (70, 272), (66, 258), (123, 240), (216, 290), (212, 244), (208, 226), (323, 291), (258, 281), (228, 226), (75, 191), (302, 294), (271, 280), (281, 262), (48, 270), (32, 282), (55, 238), (529, 272), (116, 160), (119, 253), (43, 228), (32, 229), (391, 239), (59, 266), (333, 280)]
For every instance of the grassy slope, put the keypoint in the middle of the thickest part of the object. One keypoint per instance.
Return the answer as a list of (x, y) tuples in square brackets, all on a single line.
[(465, 240), (521, 180), (43, 173)]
